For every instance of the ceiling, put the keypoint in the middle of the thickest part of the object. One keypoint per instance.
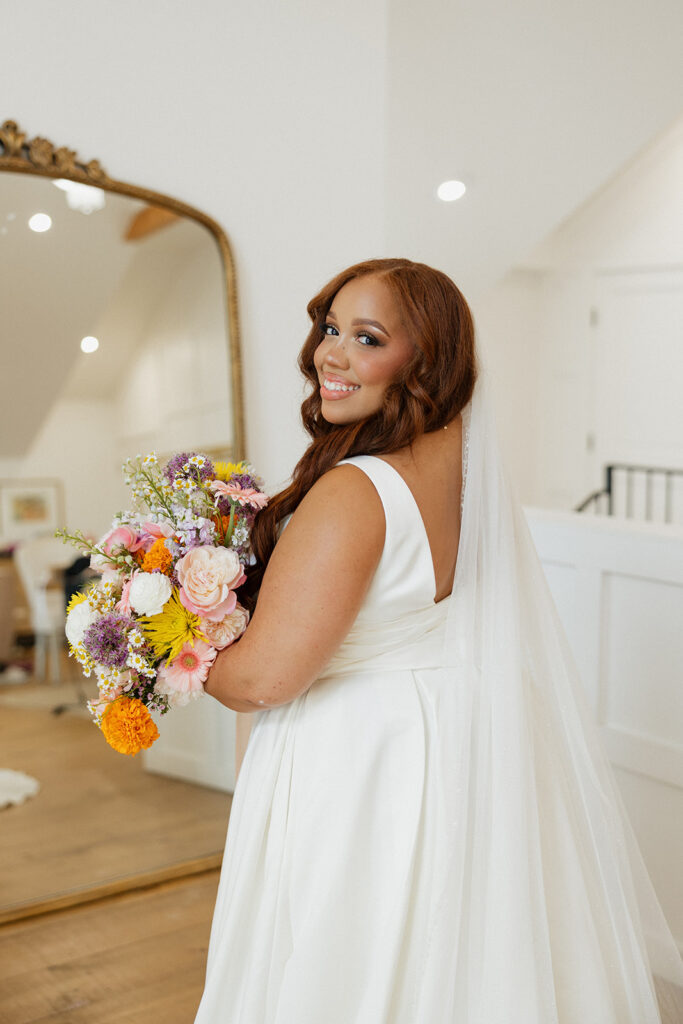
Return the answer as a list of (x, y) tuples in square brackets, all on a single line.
[(535, 106), (79, 278)]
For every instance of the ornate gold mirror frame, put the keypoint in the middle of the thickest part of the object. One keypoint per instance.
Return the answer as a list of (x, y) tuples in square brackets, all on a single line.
[(39, 156)]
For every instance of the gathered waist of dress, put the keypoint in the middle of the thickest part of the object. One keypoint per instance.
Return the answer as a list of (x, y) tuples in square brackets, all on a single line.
[(413, 641)]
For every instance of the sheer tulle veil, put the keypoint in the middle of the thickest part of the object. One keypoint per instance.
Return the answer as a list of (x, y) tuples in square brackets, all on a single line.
[(540, 868)]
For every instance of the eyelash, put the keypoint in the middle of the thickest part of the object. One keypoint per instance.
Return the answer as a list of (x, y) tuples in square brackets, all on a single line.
[(362, 334)]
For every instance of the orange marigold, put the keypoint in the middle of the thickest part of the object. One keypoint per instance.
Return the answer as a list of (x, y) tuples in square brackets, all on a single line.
[(127, 726), (158, 557)]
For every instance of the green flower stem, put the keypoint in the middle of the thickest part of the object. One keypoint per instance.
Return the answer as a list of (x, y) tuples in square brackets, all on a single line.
[(231, 526), (160, 496), (81, 542)]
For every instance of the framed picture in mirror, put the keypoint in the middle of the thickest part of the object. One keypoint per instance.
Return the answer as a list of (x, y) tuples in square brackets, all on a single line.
[(30, 508)]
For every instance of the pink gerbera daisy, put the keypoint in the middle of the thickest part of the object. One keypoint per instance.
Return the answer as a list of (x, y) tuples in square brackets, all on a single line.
[(182, 680), (244, 495)]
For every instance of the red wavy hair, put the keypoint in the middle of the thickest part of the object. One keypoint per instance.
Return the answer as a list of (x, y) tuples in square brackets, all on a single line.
[(430, 390)]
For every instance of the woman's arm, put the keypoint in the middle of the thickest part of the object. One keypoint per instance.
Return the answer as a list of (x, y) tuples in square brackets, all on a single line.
[(312, 590)]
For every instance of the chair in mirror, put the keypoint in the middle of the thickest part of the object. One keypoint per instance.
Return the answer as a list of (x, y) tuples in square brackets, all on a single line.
[(119, 336)]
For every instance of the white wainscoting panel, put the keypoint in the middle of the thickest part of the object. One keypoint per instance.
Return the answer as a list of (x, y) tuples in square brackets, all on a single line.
[(197, 744), (618, 587)]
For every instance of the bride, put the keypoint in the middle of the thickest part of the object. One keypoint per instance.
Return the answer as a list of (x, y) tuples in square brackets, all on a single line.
[(425, 829)]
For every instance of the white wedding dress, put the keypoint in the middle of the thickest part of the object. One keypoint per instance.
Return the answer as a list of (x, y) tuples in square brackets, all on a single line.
[(375, 870)]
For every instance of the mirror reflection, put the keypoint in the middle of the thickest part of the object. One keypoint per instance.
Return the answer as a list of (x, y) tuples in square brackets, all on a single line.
[(115, 341)]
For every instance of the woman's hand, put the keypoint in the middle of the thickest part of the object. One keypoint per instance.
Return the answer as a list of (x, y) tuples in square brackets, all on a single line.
[(312, 590)]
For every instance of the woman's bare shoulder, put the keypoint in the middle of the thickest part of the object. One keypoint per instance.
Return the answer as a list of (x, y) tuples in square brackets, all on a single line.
[(343, 499)]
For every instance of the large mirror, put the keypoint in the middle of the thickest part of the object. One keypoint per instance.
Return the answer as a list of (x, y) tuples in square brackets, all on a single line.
[(119, 335)]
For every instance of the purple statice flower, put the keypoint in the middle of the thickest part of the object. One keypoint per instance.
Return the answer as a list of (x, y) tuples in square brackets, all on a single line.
[(245, 480), (175, 468), (106, 641)]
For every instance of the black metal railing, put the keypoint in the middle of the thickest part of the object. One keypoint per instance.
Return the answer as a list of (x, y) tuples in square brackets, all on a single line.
[(604, 501)]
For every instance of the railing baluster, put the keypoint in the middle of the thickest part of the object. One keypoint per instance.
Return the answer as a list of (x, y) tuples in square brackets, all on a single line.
[(595, 502), (629, 492)]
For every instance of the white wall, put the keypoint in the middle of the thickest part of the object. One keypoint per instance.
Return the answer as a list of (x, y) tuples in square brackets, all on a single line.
[(77, 444), (636, 220), (315, 133), (268, 116), (635, 223), (175, 393)]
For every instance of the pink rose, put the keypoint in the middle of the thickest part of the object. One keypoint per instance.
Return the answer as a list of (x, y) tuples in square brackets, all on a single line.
[(122, 538), (244, 495), (207, 577), (222, 634)]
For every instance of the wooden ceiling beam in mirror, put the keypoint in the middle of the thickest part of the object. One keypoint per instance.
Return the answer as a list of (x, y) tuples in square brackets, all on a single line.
[(41, 157), (149, 221)]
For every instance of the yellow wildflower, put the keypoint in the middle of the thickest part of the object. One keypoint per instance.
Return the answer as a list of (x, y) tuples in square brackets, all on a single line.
[(224, 470), (127, 726), (172, 628)]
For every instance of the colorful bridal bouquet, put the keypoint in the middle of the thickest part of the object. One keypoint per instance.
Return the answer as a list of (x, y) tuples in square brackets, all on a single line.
[(166, 601)]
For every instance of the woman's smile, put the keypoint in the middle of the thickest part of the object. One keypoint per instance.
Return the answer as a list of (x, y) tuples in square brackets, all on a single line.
[(333, 387)]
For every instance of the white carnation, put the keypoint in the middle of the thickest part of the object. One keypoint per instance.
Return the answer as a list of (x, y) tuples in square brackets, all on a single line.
[(149, 592), (79, 618)]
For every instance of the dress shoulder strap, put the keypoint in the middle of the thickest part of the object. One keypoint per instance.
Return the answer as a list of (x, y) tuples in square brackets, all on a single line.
[(406, 542), (394, 492)]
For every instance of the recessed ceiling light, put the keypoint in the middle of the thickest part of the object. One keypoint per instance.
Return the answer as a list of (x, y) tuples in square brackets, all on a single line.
[(84, 198), (450, 190), (89, 344), (40, 222)]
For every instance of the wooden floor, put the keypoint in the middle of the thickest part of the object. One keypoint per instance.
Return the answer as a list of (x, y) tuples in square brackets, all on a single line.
[(137, 958), (100, 822)]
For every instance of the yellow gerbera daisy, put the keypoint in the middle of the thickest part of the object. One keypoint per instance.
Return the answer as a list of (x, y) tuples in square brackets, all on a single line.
[(173, 627)]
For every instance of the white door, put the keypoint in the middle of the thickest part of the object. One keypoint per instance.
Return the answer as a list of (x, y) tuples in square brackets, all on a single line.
[(638, 381)]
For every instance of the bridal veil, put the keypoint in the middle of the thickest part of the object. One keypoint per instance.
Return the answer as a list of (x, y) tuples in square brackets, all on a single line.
[(543, 876)]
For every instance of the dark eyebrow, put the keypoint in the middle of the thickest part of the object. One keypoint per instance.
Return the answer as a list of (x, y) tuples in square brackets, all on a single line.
[(358, 323)]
